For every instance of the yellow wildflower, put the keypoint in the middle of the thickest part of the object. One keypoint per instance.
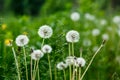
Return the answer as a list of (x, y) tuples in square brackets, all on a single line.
[(4, 26), (8, 42)]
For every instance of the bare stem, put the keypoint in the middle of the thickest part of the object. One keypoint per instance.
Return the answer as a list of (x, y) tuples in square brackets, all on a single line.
[(92, 60), (15, 57), (64, 74), (50, 67), (25, 63)]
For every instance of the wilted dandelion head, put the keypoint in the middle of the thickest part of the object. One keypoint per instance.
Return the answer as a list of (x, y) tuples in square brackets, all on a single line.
[(45, 31), (22, 40), (61, 66), (75, 16), (8, 42), (80, 62), (46, 49), (105, 36), (86, 42), (36, 54), (95, 32), (116, 19), (72, 36)]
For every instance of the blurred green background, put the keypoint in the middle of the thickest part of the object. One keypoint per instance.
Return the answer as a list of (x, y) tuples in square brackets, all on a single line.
[(26, 16)]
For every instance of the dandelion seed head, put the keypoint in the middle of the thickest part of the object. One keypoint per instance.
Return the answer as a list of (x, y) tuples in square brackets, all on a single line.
[(105, 36), (116, 19), (95, 32), (103, 22), (80, 62), (61, 66), (70, 60), (87, 42), (46, 49), (45, 31), (22, 40), (36, 54), (75, 16), (72, 36), (89, 17)]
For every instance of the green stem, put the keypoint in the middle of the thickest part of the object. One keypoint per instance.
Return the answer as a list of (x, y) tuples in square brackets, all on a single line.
[(42, 42), (35, 64), (73, 65), (70, 65), (64, 74), (15, 57), (91, 61), (31, 68), (80, 67), (72, 49), (25, 63), (36, 69), (55, 73), (50, 67)]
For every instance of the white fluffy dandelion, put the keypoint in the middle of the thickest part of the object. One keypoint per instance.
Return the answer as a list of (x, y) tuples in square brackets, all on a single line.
[(61, 65), (22, 40), (95, 32), (80, 62), (45, 31), (89, 17), (103, 22), (37, 54), (75, 16), (72, 36), (46, 49), (105, 36), (116, 19), (70, 60)]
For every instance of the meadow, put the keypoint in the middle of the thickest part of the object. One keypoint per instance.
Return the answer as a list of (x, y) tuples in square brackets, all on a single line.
[(92, 27)]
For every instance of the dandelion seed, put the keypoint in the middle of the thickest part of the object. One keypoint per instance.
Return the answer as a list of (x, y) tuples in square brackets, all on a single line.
[(45, 31), (36, 54), (95, 32), (80, 62), (46, 49), (75, 16), (72, 36), (22, 40), (105, 36), (8, 42), (61, 66)]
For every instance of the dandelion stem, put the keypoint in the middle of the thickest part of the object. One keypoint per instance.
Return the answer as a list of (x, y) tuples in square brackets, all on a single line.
[(55, 73), (15, 57), (91, 61), (25, 63), (42, 42), (70, 65), (80, 67), (35, 64), (73, 65), (36, 69), (72, 48), (50, 67), (31, 68), (64, 74)]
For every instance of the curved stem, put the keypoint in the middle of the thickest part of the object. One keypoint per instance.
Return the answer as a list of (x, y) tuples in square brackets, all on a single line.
[(42, 42), (91, 61), (25, 63), (15, 57)]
